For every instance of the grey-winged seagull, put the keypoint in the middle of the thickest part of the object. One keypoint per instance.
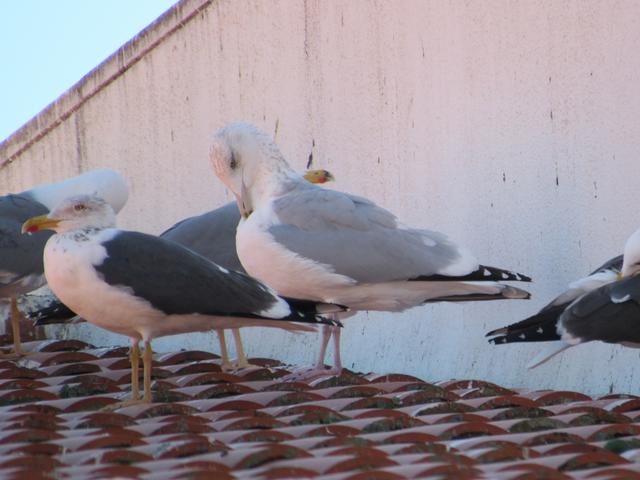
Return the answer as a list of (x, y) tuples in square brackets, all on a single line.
[(309, 242), (605, 306), (21, 268), (213, 235), (145, 287)]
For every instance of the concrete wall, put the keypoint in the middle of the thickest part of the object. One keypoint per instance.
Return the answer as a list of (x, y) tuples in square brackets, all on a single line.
[(512, 126)]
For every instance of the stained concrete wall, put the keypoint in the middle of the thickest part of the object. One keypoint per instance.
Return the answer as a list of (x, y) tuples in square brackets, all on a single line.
[(512, 126)]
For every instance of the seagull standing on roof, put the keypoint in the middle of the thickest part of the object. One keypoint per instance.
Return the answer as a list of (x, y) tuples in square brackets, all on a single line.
[(603, 306), (21, 269), (145, 287), (309, 242), (213, 235)]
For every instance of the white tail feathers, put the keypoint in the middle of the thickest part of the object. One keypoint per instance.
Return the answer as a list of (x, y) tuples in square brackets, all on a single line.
[(550, 351)]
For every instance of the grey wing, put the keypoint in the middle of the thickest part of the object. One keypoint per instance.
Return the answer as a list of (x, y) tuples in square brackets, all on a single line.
[(605, 273), (20, 255), (610, 313), (212, 235), (359, 239), (176, 280), (614, 264)]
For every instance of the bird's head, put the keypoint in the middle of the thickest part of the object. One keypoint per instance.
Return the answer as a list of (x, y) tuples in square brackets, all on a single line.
[(74, 213), (631, 261), (249, 163)]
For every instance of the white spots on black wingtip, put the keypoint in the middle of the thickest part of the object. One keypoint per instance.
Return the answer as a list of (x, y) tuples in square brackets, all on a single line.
[(504, 276), (486, 272), (518, 277), (540, 330), (522, 336)]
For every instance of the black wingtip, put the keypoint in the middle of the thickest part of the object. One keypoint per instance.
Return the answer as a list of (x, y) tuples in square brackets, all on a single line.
[(524, 278), (330, 321), (41, 322), (497, 331), (502, 340), (500, 274), (53, 314), (484, 273), (311, 306), (534, 333)]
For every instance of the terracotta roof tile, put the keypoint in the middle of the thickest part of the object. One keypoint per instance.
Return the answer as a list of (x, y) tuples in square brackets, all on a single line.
[(253, 423)]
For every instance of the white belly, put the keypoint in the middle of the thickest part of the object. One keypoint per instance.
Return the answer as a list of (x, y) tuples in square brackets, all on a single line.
[(289, 274), (73, 279)]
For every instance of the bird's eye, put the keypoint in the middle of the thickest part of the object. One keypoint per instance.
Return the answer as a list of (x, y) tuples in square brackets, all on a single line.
[(233, 163), (79, 207)]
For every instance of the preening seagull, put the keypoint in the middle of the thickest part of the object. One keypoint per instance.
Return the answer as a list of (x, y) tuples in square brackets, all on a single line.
[(145, 287), (603, 306), (21, 269), (310, 242), (213, 235)]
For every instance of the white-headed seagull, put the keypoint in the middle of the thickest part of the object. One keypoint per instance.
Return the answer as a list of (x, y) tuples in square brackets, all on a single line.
[(330, 246)]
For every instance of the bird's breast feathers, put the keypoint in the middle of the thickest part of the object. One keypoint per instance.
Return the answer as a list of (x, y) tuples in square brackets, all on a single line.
[(288, 273), (69, 268), (69, 261)]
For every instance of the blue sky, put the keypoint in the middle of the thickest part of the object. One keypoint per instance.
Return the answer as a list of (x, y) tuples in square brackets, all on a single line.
[(46, 46)]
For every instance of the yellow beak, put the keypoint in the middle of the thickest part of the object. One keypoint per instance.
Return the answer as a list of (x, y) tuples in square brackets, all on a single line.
[(318, 176), (41, 222)]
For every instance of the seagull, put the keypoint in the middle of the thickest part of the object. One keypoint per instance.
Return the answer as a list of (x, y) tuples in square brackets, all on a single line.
[(145, 287), (605, 306), (213, 235), (309, 242), (21, 268)]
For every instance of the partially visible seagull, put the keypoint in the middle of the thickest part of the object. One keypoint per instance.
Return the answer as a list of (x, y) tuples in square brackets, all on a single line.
[(21, 269), (145, 287), (310, 242), (213, 235), (603, 306)]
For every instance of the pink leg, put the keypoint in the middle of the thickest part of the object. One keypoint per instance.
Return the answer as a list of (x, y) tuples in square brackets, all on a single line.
[(319, 370), (224, 354), (324, 341), (241, 361), (337, 359), (15, 317)]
